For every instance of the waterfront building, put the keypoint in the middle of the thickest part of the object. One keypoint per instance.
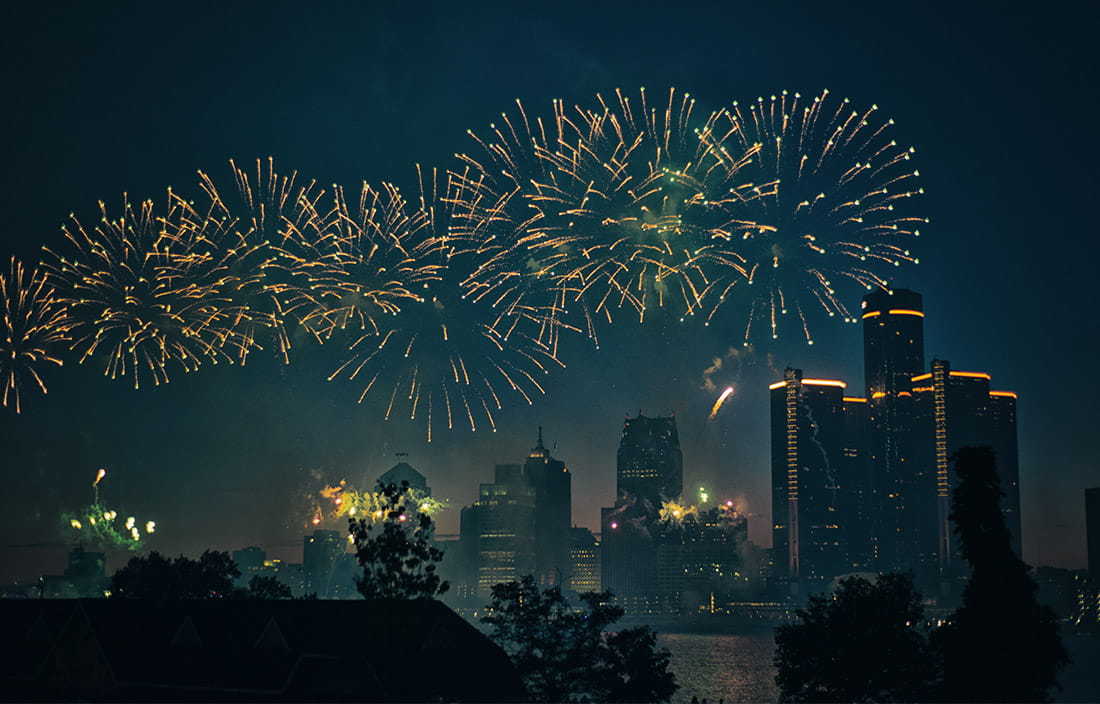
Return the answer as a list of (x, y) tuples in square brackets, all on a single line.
[(808, 458)]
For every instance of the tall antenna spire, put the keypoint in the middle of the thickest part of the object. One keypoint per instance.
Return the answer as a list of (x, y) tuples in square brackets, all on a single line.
[(540, 446)]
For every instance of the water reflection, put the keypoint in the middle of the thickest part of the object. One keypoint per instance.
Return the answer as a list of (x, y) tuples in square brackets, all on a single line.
[(730, 668)]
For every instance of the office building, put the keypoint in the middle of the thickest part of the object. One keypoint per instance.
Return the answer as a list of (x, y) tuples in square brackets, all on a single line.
[(404, 472), (649, 471), (893, 353), (584, 561), (327, 568), (808, 461), (650, 466), (1092, 532), (505, 519), (553, 513), (952, 410)]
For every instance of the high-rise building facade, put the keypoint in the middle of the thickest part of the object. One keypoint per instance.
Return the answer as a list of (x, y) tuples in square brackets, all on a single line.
[(952, 410), (553, 513), (584, 561), (403, 472), (893, 353), (808, 462), (649, 471), (506, 526), (1092, 532), (650, 466)]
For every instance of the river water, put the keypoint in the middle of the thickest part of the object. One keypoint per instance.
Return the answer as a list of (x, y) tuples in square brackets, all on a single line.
[(738, 668)]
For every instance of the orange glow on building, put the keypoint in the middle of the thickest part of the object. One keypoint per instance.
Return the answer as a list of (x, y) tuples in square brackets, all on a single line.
[(921, 389), (824, 382), (1007, 394), (922, 377), (878, 394), (871, 314), (852, 399), (972, 375), (906, 311), (777, 385)]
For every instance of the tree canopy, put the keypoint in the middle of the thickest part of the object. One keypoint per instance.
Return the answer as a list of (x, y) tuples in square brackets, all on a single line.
[(1001, 645), (864, 643), (563, 652), (158, 577), (393, 544)]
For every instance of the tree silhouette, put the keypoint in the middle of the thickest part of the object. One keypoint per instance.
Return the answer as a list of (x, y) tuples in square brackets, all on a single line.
[(157, 577), (394, 547), (563, 654), (267, 587), (1000, 646), (862, 644)]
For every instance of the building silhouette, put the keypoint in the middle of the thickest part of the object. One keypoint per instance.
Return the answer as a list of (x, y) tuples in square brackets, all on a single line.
[(518, 526), (873, 475), (584, 561), (952, 410), (893, 353), (1092, 532), (808, 466), (553, 513), (404, 472), (650, 466), (328, 569)]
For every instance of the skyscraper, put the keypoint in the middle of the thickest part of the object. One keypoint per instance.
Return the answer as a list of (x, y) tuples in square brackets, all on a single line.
[(952, 410), (325, 566), (855, 500), (649, 470), (553, 513), (506, 528), (808, 458), (1092, 532), (650, 466), (893, 353), (404, 472)]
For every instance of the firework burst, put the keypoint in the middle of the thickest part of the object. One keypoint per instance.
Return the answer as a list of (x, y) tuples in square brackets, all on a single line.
[(103, 528), (449, 357), (266, 247), (131, 296), (821, 193), (32, 328), (607, 209)]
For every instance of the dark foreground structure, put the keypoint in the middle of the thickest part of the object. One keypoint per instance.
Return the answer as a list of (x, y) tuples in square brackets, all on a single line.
[(216, 650)]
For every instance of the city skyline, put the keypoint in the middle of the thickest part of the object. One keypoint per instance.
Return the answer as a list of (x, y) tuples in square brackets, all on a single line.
[(231, 451)]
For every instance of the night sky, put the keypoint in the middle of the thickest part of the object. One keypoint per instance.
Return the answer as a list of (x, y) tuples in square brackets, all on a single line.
[(101, 99)]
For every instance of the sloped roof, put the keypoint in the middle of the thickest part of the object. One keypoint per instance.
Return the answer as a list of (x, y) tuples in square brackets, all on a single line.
[(278, 650)]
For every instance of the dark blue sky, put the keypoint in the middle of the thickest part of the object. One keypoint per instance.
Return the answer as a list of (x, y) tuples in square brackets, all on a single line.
[(999, 102)]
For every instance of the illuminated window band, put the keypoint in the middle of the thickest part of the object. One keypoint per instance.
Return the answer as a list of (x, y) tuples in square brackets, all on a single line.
[(777, 385), (852, 399), (1006, 394), (922, 377), (894, 311), (972, 375)]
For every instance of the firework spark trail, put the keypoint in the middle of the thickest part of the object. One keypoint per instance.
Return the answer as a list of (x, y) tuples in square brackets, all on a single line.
[(131, 298), (99, 527), (603, 209), (824, 198), (718, 404), (267, 248), (449, 356), (33, 326), (379, 256)]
